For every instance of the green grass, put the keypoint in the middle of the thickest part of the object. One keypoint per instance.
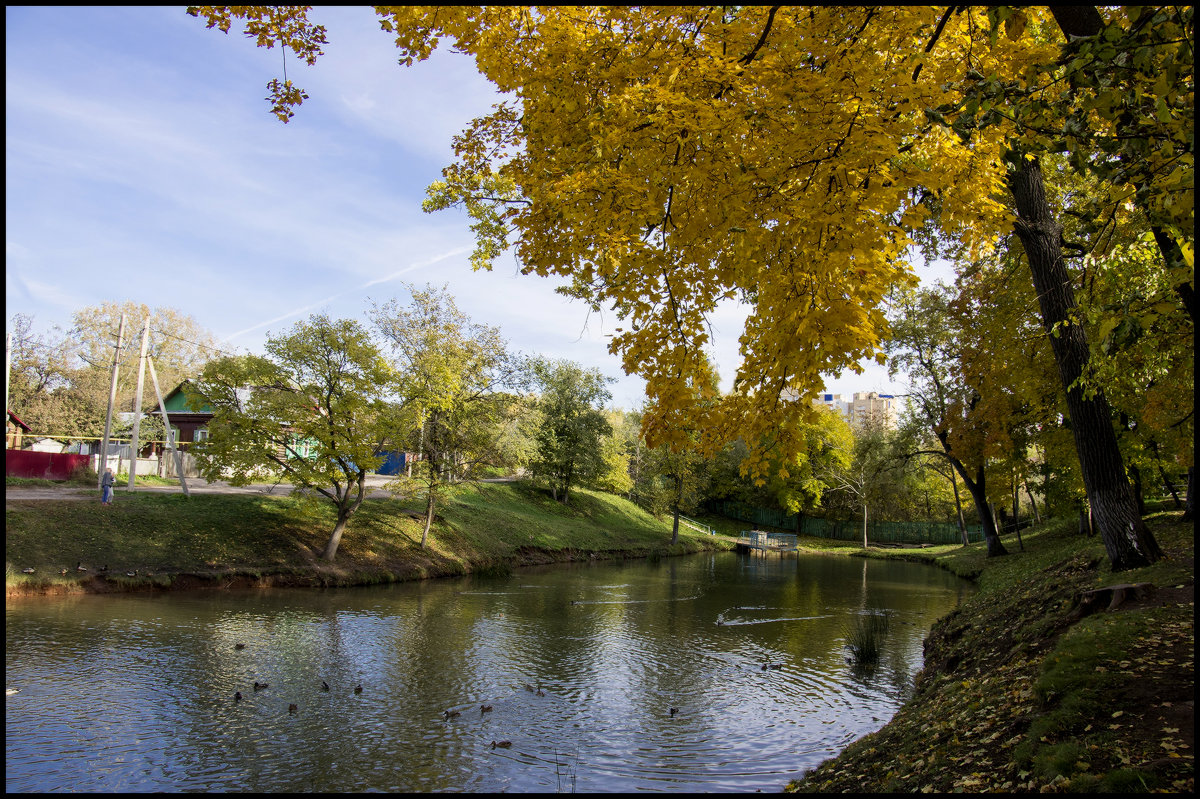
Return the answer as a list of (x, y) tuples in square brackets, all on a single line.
[(487, 526)]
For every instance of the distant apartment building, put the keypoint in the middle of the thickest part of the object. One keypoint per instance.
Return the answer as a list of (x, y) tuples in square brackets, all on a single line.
[(863, 406)]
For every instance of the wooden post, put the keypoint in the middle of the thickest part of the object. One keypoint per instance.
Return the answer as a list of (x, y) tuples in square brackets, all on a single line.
[(102, 463), (137, 404), (162, 407)]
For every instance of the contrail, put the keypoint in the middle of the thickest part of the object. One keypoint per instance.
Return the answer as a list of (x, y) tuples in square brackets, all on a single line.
[(368, 284)]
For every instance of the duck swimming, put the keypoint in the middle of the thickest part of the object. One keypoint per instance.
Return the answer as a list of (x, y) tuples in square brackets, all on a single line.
[(485, 708), (258, 686), (501, 744), (452, 713)]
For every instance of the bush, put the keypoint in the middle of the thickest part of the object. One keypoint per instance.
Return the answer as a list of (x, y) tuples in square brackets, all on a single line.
[(84, 475)]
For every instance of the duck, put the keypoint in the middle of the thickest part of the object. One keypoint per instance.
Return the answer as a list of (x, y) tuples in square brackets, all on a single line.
[(258, 686), (358, 688), (452, 713), (79, 567), (485, 708), (501, 744), (239, 646), (237, 696), (63, 572), (133, 573), (292, 709), (29, 570), (674, 710), (324, 685)]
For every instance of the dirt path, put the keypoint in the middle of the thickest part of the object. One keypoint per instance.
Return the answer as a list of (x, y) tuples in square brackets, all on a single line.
[(375, 490)]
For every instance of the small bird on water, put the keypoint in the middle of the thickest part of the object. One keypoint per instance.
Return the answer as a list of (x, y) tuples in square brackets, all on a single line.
[(452, 713), (501, 744), (237, 696), (258, 686), (324, 685), (358, 688), (239, 646), (485, 708), (292, 709)]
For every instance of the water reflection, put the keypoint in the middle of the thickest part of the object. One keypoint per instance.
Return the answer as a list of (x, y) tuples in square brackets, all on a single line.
[(582, 666)]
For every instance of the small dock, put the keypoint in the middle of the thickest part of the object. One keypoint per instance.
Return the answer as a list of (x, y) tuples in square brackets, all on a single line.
[(760, 542)]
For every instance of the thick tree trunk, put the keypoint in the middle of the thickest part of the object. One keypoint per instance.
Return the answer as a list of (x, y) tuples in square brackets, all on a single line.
[(335, 539), (1126, 539), (977, 488)]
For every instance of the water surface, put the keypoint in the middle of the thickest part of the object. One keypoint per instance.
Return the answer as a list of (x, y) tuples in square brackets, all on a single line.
[(582, 665)]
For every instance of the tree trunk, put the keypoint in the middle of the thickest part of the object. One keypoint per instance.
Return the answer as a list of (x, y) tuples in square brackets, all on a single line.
[(1162, 474), (1187, 506), (962, 522), (428, 517), (331, 548), (977, 488), (1037, 517), (864, 525), (678, 497), (1126, 539)]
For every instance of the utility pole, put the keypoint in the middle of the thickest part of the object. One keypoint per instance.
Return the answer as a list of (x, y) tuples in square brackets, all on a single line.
[(137, 404), (102, 463), (162, 407)]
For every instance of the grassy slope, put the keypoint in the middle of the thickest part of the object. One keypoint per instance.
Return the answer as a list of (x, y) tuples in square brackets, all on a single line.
[(1019, 694), (164, 536)]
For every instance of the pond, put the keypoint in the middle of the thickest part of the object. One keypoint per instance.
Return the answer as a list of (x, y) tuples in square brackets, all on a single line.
[(711, 672)]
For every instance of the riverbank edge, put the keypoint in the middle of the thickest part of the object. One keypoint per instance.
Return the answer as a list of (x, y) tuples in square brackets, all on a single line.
[(331, 576), (1030, 686), (161, 542)]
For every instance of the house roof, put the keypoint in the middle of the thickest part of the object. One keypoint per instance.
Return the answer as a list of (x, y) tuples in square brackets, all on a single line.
[(176, 401), (13, 417)]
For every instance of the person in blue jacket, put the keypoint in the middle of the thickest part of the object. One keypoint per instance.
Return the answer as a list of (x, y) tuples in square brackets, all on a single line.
[(106, 487)]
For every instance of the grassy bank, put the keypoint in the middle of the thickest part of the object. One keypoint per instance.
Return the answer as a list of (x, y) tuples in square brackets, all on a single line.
[(148, 540), (1024, 691)]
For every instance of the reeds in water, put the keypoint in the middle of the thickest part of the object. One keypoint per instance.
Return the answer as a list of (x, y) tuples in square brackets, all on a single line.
[(864, 638)]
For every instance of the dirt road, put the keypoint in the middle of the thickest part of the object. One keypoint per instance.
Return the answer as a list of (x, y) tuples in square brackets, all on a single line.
[(375, 483)]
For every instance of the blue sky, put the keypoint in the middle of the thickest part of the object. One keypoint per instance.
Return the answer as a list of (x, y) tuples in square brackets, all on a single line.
[(142, 164)]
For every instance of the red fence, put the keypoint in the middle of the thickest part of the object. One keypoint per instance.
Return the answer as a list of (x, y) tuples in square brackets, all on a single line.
[(46, 465)]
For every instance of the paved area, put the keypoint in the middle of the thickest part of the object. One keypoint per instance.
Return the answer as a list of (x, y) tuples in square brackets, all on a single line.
[(375, 483)]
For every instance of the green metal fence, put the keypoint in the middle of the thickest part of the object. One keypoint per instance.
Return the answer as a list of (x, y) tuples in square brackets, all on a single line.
[(878, 532)]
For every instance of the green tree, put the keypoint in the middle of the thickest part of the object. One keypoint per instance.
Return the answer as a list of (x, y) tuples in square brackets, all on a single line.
[(667, 159), (313, 409), (861, 473), (925, 346), (452, 374), (573, 424)]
